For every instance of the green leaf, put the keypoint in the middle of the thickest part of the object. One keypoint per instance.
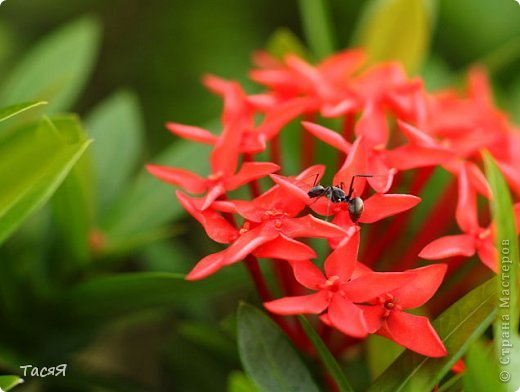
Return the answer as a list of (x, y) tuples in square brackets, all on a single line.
[(396, 30), (481, 374), (268, 358), (326, 357), (9, 382), (498, 22), (317, 27), (18, 108), (454, 384), (72, 204), (381, 353), (458, 327), (506, 242), (116, 124), (57, 68), (239, 382), (34, 162), (108, 296), (283, 41)]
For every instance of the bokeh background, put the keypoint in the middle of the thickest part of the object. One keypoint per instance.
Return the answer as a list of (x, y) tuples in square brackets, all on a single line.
[(159, 336)]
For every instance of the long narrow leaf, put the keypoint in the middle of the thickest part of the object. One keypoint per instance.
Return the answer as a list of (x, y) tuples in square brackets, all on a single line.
[(327, 358), (57, 68), (18, 108), (506, 240), (317, 26), (26, 185), (9, 382), (268, 358)]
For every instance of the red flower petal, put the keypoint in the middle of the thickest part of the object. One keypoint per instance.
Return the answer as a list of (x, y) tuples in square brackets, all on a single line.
[(224, 157), (339, 66), (250, 171), (380, 206), (347, 317), (371, 285), (356, 163), (309, 226), (415, 136), (373, 125), (466, 213), (192, 133), (415, 333), (412, 157), (303, 304), (235, 103), (290, 187), (214, 193), (207, 266), (309, 74), (307, 274), (373, 316), (281, 115), (192, 182), (217, 228), (342, 261), (244, 208), (478, 180), (383, 175), (285, 248), (422, 287), (488, 254), (452, 245), (328, 136), (341, 108), (248, 242)]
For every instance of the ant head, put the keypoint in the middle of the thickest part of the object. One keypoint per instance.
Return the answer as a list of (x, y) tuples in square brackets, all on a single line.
[(355, 208)]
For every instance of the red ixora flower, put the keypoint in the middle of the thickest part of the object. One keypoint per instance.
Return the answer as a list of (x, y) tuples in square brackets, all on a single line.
[(385, 314), (269, 229), (337, 289), (223, 162), (359, 301), (476, 239)]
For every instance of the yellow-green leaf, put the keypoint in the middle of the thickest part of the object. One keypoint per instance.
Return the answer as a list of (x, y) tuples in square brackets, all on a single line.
[(18, 108), (396, 30)]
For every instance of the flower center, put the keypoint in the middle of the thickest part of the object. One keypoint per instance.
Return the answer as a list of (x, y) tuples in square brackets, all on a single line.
[(274, 215), (245, 227), (332, 284), (484, 234), (215, 177), (389, 303)]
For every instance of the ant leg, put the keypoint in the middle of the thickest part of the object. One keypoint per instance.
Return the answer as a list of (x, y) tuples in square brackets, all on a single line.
[(351, 187), (329, 197), (316, 179)]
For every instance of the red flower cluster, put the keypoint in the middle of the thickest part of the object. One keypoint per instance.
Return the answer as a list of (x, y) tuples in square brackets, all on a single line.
[(393, 132)]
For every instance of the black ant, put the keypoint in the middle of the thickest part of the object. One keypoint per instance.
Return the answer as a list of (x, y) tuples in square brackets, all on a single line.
[(336, 194)]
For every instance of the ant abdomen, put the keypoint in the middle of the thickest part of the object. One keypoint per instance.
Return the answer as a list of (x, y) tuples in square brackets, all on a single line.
[(355, 208)]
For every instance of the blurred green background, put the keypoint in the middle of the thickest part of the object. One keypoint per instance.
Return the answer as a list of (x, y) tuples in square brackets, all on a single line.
[(156, 332)]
